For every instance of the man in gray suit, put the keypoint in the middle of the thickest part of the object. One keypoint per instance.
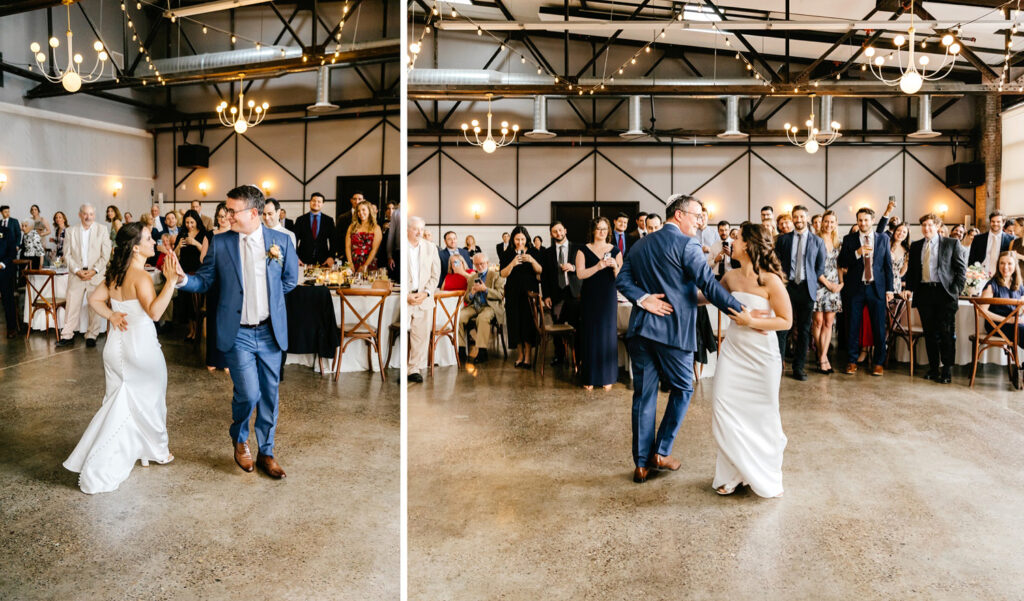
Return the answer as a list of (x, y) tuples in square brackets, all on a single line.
[(935, 276)]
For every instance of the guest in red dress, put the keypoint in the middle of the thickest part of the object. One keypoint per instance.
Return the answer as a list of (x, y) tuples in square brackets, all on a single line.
[(363, 238)]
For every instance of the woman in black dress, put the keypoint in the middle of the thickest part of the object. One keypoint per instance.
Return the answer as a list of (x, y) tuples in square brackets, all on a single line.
[(191, 247), (520, 266), (597, 264), (214, 358)]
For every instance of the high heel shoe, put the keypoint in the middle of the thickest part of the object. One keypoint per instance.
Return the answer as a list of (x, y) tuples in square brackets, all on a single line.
[(170, 458)]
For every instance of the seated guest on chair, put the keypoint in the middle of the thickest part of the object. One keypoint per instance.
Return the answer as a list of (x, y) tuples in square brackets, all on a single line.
[(936, 272), (868, 283), (802, 256), (560, 287), (484, 300), (451, 249), (315, 233), (985, 248), (424, 272), (1006, 283)]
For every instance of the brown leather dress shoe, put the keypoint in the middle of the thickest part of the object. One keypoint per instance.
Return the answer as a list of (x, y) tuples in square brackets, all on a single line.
[(877, 370), (243, 457), (640, 475), (851, 368), (660, 462), (270, 466)]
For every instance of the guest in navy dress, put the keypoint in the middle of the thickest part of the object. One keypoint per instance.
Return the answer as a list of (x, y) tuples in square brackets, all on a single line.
[(214, 358), (597, 265), (1006, 284)]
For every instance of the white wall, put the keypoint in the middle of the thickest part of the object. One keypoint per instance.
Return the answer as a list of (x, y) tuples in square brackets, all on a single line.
[(1012, 187)]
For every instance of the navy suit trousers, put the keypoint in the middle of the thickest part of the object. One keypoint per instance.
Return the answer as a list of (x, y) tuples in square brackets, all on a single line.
[(651, 359)]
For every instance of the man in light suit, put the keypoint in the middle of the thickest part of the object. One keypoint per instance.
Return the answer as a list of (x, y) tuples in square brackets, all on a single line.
[(484, 303), (802, 255), (254, 267), (10, 241), (661, 276), (985, 248), (868, 283), (424, 272), (159, 226), (86, 250), (935, 276)]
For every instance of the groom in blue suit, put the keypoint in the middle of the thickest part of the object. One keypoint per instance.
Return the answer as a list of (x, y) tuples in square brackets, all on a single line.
[(661, 276), (254, 267)]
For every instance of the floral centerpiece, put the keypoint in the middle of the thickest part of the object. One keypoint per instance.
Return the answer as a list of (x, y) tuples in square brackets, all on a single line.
[(977, 277)]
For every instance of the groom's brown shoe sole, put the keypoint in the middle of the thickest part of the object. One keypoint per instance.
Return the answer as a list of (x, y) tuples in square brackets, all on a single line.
[(243, 457), (270, 466), (640, 475), (664, 463)]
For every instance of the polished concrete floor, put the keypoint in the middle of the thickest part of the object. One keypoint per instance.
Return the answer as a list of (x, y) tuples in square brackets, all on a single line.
[(198, 528), (520, 488)]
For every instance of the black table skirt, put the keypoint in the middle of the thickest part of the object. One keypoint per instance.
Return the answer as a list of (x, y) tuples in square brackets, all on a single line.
[(312, 327)]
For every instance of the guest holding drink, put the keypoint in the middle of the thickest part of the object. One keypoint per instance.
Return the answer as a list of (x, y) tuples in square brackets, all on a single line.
[(60, 227), (869, 282), (597, 265), (828, 301), (363, 238), (520, 268), (936, 275), (802, 256)]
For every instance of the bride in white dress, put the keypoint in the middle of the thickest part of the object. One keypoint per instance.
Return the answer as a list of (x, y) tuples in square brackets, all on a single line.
[(745, 417), (132, 422)]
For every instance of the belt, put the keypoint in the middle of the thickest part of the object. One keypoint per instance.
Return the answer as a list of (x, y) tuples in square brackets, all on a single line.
[(256, 325)]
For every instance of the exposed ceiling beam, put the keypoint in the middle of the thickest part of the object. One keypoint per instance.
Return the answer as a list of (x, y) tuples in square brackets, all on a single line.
[(987, 74), (171, 116), (15, 70), (13, 8)]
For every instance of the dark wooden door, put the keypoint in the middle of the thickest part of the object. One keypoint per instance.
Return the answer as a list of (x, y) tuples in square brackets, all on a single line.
[(576, 216), (378, 189)]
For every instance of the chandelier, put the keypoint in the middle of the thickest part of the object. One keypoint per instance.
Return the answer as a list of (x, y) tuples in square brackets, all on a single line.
[(815, 137), (71, 77), (243, 116), (911, 79), (489, 144)]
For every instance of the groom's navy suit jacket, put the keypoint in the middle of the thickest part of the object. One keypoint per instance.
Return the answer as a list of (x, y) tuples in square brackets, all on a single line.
[(223, 264), (671, 263)]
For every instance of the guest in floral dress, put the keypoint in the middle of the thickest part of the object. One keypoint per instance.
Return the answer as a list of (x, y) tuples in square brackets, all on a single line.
[(828, 301), (363, 239), (31, 243)]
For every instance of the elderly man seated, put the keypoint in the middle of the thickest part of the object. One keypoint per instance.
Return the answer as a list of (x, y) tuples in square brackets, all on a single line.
[(484, 298)]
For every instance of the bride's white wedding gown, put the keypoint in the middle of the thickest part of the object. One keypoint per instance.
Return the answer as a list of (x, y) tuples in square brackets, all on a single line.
[(132, 423), (745, 416)]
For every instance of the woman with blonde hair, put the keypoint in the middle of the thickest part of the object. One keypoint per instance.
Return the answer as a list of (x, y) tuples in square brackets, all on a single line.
[(363, 238), (828, 301)]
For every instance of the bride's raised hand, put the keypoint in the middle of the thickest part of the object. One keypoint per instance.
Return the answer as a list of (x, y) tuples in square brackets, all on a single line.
[(171, 268)]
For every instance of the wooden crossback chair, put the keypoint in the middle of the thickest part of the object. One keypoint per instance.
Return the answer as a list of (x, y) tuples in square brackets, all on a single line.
[(564, 332), (997, 338), (900, 326), (366, 328), (450, 304), (39, 301)]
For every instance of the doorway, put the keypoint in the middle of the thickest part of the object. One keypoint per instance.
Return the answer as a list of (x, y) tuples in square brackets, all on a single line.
[(577, 215), (378, 189)]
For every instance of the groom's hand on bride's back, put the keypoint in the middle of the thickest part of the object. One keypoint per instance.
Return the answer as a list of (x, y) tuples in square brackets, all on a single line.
[(654, 304)]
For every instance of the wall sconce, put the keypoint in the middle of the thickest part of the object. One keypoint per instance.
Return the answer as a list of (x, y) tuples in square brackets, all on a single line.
[(942, 210), (3, 180), (118, 186), (204, 187), (476, 210), (787, 208), (711, 209), (267, 186)]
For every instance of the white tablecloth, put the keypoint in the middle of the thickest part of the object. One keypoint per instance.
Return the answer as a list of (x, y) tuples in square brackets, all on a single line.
[(60, 286), (354, 358), (964, 347)]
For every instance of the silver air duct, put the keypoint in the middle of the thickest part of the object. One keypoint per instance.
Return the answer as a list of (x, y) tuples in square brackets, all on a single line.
[(323, 92), (247, 56), (924, 119), (732, 120), (826, 131), (635, 131), (540, 119)]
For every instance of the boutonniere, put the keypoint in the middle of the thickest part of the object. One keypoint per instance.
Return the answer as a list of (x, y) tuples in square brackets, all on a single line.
[(274, 254)]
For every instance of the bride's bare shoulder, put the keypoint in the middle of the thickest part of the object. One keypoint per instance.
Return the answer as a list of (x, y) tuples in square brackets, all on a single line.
[(772, 282)]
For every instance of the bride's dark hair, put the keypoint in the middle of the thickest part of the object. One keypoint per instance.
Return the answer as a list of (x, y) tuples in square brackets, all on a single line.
[(128, 236), (761, 250)]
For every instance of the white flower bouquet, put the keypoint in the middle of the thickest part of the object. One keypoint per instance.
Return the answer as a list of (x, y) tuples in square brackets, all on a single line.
[(977, 277)]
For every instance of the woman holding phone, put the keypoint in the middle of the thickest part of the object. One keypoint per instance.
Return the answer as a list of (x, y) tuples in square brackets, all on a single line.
[(597, 264), (520, 266)]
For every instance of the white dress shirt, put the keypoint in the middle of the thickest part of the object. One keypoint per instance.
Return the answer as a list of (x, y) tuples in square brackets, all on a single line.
[(284, 230), (256, 308), (867, 240), (414, 267), (992, 252), (85, 246)]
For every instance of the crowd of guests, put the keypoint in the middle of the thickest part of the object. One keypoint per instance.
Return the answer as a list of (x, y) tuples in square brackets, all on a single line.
[(359, 239), (838, 284)]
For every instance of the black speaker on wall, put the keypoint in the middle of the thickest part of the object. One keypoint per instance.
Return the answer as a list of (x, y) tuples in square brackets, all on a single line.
[(965, 175), (193, 155)]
